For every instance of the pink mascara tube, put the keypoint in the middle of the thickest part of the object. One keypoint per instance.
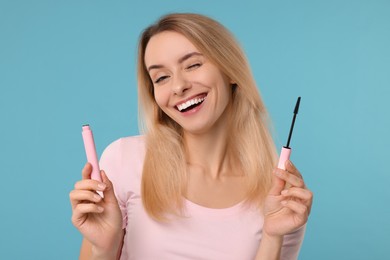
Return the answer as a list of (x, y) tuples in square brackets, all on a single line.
[(286, 150), (90, 150)]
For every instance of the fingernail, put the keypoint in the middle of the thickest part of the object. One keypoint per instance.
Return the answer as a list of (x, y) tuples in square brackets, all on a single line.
[(100, 209), (284, 192), (289, 163), (283, 202), (97, 197), (102, 186)]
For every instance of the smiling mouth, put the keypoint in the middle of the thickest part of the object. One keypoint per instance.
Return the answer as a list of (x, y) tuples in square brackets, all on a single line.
[(191, 104)]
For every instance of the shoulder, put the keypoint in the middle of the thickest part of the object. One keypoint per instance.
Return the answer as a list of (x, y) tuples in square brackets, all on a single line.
[(124, 145), (122, 161), (127, 149)]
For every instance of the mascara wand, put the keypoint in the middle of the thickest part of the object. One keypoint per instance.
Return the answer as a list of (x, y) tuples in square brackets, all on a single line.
[(286, 150), (293, 122)]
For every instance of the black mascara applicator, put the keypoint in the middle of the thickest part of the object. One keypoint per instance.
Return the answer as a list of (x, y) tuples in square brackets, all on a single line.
[(286, 150)]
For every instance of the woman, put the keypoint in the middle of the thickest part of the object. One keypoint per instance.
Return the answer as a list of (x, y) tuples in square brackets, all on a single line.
[(201, 183)]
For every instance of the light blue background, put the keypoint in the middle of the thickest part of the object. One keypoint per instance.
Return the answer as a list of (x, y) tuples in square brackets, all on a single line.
[(66, 63)]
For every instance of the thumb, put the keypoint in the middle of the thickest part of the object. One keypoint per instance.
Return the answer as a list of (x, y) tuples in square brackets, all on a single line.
[(109, 194), (277, 184)]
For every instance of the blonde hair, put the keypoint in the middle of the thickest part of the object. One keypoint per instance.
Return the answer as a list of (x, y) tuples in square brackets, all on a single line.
[(164, 172)]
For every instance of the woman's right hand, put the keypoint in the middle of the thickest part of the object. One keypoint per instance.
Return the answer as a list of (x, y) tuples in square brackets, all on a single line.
[(98, 220)]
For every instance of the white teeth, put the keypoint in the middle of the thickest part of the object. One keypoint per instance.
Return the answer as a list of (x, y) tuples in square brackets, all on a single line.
[(190, 103)]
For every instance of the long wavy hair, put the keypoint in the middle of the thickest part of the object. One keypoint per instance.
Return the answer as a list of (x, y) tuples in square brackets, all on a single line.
[(250, 142)]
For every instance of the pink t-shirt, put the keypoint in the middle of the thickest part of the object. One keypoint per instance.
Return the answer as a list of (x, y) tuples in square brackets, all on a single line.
[(204, 233)]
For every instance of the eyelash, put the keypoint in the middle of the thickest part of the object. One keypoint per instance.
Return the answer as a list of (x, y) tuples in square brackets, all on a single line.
[(160, 79), (197, 65), (193, 66)]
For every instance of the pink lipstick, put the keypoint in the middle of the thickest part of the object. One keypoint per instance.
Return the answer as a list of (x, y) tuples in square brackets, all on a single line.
[(90, 150)]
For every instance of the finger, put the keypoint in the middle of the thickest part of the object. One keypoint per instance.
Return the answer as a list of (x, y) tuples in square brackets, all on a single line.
[(79, 196), (85, 208), (109, 194), (290, 167), (277, 186), (290, 178), (300, 209), (81, 210), (92, 185), (303, 194), (86, 172)]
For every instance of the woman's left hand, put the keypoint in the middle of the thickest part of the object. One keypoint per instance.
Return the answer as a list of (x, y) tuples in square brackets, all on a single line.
[(286, 207)]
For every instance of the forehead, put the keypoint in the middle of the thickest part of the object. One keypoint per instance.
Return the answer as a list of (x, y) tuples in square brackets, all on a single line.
[(166, 47)]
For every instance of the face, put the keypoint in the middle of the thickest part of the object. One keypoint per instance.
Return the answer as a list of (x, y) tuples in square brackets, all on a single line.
[(187, 86)]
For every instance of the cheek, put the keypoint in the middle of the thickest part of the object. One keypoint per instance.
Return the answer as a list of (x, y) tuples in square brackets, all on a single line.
[(161, 96), (212, 77)]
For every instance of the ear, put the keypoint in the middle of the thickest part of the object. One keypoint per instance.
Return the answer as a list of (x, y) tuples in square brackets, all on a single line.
[(234, 86)]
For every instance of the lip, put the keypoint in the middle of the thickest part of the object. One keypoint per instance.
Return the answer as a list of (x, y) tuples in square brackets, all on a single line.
[(193, 110), (201, 95)]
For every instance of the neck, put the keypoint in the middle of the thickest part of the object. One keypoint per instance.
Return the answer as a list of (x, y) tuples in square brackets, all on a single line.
[(208, 152)]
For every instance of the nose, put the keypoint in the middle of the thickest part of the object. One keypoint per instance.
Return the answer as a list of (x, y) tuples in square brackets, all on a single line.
[(180, 84)]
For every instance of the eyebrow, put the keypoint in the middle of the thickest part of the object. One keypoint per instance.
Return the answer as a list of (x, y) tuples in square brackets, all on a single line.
[(181, 60)]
